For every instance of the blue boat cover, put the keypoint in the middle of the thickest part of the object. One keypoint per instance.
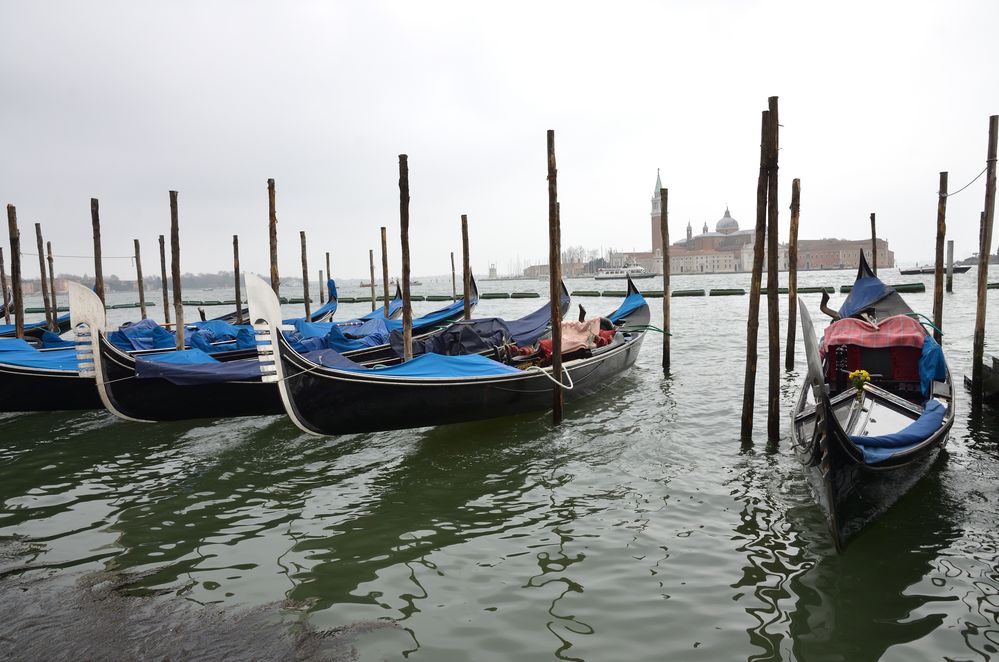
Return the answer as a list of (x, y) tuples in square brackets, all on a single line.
[(423, 366), (57, 359), (866, 292), (145, 334), (379, 313), (15, 345), (54, 341), (328, 308), (932, 365), (880, 448), (631, 303), (9, 329), (192, 367)]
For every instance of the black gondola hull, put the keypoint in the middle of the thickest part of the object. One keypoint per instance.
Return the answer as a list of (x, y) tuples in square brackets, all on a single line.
[(30, 389)]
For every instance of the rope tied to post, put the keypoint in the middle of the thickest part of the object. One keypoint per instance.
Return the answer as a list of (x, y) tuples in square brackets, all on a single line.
[(947, 195)]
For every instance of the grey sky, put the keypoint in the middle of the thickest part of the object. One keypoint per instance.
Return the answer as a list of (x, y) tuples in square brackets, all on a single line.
[(125, 100)]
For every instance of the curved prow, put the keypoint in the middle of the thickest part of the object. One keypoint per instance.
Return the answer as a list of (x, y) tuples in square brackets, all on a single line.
[(815, 377), (88, 319), (265, 318)]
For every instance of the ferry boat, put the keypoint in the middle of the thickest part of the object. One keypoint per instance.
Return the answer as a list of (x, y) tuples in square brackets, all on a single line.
[(634, 271)]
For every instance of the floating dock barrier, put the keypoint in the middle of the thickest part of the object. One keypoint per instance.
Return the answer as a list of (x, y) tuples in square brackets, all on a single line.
[(726, 292), (438, 297), (525, 295), (585, 293), (614, 293), (687, 293), (494, 295), (901, 287)]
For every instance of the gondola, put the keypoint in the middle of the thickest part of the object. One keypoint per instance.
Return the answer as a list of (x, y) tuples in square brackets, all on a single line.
[(958, 269), (166, 386), (864, 443), (327, 394), (36, 329), (42, 380)]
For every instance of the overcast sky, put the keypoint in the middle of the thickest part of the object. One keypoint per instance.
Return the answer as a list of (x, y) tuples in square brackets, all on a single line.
[(124, 101)]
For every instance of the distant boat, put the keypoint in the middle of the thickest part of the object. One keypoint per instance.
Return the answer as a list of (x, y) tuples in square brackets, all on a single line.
[(931, 270), (633, 271), (394, 281)]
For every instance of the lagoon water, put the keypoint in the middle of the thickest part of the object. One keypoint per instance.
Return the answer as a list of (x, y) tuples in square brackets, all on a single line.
[(640, 529)]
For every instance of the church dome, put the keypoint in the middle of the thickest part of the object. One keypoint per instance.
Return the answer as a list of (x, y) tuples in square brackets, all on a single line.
[(727, 224)]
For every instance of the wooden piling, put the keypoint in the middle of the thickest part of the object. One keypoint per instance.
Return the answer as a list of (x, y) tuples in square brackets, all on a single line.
[(938, 271), (554, 279), (15, 270), (3, 290), (178, 305), (163, 282), (44, 281), (138, 280), (454, 287), (466, 269), (52, 287), (322, 289), (792, 276), (305, 277), (664, 235), (371, 282), (874, 245), (329, 269), (950, 265), (407, 308), (773, 304), (95, 220), (235, 273), (385, 280), (984, 254), (753, 322), (272, 231)]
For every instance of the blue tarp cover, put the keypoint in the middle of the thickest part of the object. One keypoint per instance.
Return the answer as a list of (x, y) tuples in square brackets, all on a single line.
[(15, 345), (932, 365), (424, 366), (631, 303), (57, 359), (145, 334), (11, 328), (192, 367), (379, 312), (880, 448)]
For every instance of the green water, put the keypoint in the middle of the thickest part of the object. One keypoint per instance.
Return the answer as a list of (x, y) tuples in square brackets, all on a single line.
[(640, 529)]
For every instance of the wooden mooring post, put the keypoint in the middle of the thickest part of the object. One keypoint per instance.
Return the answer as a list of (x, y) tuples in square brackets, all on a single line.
[(3, 290), (50, 314), (52, 287), (773, 304), (454, 287), (178, 303), (984, 253), (664, 235), (272, 233), (466, 269), (371, 282), (15, 270), (407, 308), (138, 279), (874, 244), (163, 281), (235, 277), (792, 276), (753, 322), (950, 266), (938, 271), (385, 270), (305, 277), (554, 279), (322, 288), (95, 220)]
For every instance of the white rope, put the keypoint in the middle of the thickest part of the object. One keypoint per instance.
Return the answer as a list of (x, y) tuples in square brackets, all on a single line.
[(555, 381)]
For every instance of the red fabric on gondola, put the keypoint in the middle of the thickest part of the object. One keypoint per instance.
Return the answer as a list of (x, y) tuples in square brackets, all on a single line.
[(895, 331)]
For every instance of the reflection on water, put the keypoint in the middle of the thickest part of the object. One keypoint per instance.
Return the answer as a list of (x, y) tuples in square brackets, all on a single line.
[(640, 529)]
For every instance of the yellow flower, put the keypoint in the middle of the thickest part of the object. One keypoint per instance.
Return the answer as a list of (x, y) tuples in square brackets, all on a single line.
[(858, 378)]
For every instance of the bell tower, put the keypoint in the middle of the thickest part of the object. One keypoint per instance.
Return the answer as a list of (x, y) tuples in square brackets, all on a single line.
[(656, 215)]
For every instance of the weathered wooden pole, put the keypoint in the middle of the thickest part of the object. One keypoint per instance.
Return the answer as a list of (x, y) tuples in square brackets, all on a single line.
[(272, 229), (15, 270), (322, 289), (385, 283), (950, 265), (235, 273), (407, 308), (792, 276), (874, 245), (329, 269), (305, 277), (753, 323), (938, 271), (138, 279), (664, 234), (95, 220), (44, 281), (773, 304), (163, 282), (466, 269), (3, 290), (554, 279), (454, 287), (371, 268), (178, 304), (52, 287), (984, 253)]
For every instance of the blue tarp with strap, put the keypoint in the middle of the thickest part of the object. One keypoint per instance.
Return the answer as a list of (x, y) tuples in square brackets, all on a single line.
[(424, 365), (191, 367), (57, 359), (880, 448), (631, 303)]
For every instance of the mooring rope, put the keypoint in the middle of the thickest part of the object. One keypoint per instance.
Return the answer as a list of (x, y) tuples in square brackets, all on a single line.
[(555, 381), (966, 185)]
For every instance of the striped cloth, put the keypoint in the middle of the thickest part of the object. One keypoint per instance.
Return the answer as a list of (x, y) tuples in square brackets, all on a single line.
[(895, 331)]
